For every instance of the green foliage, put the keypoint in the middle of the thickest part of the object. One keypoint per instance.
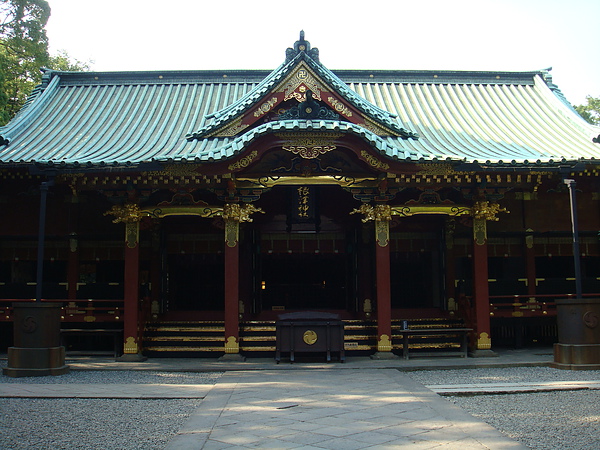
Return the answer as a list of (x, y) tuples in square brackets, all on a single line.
[(591, 111), (63, 62), (23, 50)]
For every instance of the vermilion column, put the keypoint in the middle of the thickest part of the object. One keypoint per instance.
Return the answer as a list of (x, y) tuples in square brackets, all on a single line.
[(381, 214), (530, 259), (233, 215), (232, 294), (384, 299), (130, 215), (481, 302), (450, 264), (131, 288), (73, 267)]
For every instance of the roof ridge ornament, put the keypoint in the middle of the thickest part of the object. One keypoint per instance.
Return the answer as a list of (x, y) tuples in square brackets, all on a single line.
[(301, 46)]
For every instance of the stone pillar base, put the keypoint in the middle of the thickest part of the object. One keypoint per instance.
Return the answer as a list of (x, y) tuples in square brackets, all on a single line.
[(384, 355), (479, 353), (35, 362), (232, 357), (131, 357), (576, 356)]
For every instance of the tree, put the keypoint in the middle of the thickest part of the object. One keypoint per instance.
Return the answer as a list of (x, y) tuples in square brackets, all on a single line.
[(63, 62), (23, 50), (591, 111)]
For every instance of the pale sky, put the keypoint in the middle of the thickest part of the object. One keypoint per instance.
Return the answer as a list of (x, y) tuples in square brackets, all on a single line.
[(503, 35)]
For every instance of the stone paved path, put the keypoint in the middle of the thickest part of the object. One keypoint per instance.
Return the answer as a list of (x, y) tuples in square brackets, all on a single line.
[(331, 409)]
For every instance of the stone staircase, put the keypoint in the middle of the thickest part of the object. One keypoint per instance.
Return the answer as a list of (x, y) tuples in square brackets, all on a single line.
[(257, 338)]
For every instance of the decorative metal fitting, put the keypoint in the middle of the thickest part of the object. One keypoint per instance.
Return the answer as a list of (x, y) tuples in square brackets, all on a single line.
[(128, 213), (377, 212), (240, 213), (487, 211)]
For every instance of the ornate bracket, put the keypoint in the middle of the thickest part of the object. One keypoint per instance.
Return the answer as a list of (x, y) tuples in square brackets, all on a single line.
[(129, 214), (381, 214), (233, 214), (483, 211)]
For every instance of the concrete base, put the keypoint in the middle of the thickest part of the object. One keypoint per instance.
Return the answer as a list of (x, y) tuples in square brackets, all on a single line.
[(35, 362), (483, 354), (228, 357), (576, 356), (384, 355), (131, 357)]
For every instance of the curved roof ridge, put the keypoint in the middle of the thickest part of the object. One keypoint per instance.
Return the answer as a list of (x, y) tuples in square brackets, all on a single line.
[(300, 52), (231, 147), (39, 96)]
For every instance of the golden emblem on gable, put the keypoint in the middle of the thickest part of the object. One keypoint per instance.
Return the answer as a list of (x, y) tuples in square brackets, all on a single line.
[(299, 82)]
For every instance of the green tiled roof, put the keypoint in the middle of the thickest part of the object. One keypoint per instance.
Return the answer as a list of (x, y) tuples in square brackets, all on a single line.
[(133, 118)]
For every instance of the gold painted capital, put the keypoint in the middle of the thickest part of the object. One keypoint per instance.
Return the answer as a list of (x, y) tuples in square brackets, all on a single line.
[(232, 345), (384, 344)]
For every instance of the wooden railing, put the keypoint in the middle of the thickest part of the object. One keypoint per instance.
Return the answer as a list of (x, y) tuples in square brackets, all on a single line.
[(527, 305), (96, 310)]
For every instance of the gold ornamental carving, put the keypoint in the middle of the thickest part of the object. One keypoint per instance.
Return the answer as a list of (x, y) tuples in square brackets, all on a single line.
[(377, 212), (243, 162), (127, 213), (339, 107), (299, 82), (309, 146), (483, 211), (265, 107), (487, 211), (231, 129), (310, 337), (179, 170), (381, 214), (233, 214), (240, 213), (374, 162)]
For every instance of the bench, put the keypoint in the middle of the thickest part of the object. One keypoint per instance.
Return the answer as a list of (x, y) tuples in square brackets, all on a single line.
[(117, 335), (462, 333)]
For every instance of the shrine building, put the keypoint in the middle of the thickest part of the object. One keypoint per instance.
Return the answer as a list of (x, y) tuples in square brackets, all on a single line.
[(190, 209)]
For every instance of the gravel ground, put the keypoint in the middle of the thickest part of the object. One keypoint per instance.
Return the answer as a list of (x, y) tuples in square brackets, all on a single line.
[(106, 424), (92, 424), (543, 420), (120, 376)]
